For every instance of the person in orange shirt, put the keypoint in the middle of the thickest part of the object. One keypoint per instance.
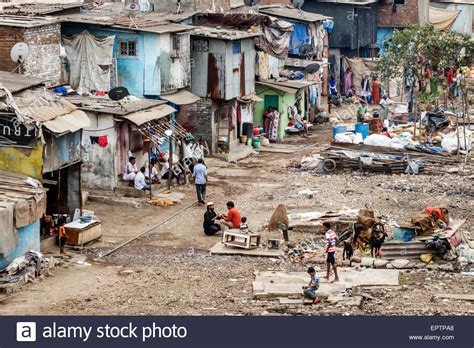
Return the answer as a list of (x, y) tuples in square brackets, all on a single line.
[(232, 220), (62, 235)]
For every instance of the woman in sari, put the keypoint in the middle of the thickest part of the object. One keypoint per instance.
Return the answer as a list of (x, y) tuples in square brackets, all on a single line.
[(274, 123)]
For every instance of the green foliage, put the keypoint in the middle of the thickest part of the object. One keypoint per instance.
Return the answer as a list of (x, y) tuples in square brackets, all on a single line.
[(418, 46), (428, 98)]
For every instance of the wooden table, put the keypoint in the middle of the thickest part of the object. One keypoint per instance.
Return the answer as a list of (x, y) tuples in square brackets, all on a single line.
[(235, 238), (81, 233)]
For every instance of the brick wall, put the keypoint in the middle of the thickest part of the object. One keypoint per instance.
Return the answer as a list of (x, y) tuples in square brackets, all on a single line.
[(9, 36), (406, 14), (44, 44), (198, 119)]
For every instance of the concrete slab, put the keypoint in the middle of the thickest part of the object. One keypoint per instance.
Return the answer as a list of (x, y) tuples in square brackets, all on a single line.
[(221, 249), (274, 284), (462, 297)]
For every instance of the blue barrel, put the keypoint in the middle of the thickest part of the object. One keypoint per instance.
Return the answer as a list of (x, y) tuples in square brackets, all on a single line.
[(338, 130), (363, 129)]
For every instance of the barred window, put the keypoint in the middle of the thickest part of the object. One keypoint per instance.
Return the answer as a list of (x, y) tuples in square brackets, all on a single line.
[(128, 48)]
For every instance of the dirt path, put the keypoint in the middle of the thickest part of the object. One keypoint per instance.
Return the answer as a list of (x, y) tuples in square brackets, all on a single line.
[(171, 272)]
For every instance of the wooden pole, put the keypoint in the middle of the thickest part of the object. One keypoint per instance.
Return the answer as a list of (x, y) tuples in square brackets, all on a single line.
[(170, 163), (150, 169)]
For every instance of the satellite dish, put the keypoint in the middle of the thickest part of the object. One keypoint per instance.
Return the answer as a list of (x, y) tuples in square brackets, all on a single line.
[(118, 93), (19, 52), (251, 2), (297, 3), (312, 68)]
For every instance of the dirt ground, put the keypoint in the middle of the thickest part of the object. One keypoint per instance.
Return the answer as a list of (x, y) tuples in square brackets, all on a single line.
[(172, 273)]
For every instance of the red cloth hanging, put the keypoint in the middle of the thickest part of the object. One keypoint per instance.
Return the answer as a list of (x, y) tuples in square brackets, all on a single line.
[(102, 141)]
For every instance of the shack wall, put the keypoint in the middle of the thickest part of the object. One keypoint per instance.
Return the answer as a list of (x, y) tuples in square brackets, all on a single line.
[(354, 25), (61, 151), (22, 160), (28, 239), (100, 167)]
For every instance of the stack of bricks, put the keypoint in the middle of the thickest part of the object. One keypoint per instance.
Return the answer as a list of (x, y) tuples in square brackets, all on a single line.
[(44, 43)]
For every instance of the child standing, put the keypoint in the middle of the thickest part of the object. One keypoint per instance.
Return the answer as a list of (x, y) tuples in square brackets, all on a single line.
[(310, 289), (244, 228), (62, 235)]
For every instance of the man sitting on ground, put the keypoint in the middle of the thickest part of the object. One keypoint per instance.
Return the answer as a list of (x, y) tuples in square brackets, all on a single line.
[(232, 220), (130, 170), (140, 182), (210, 217)]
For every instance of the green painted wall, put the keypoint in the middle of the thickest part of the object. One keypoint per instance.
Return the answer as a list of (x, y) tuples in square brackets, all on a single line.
[(286, 100)]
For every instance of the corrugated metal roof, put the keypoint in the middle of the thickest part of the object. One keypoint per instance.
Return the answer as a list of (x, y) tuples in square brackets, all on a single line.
[(109, 106), (292, 13), (16, 82), (223, 34), (26, 22), (142, 22), (38, 9)]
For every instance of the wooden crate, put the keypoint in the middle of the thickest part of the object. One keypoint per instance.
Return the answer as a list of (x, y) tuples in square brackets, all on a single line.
[(81, 236)]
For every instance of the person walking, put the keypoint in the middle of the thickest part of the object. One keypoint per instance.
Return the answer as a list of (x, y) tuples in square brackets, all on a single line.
[(200, 180), (331, 242)]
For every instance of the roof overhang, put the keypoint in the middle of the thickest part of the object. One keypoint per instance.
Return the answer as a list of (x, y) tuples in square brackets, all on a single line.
[(181, 97), (144, 116)]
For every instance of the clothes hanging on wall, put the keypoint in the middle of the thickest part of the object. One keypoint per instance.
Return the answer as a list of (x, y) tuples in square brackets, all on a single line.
[(102, 141)]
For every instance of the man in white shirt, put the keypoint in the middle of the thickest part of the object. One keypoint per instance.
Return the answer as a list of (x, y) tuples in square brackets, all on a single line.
[(154, 172), (130, 170), (140, 182)]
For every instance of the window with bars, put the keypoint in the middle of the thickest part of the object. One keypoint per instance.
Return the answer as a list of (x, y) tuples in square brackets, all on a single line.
[(128, 48)]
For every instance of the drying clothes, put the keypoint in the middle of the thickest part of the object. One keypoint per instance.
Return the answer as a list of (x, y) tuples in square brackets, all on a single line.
[(90, 59), (274, 125), (94, 140), (86, 141), (348, 82), (102, 141)]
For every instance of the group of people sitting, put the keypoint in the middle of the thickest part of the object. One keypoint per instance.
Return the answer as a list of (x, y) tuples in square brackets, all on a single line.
[(141, 179), (213, 222)]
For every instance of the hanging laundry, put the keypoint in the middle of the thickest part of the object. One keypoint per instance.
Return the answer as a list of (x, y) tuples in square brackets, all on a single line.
[(86, 141), (94, 140), (102, 141)]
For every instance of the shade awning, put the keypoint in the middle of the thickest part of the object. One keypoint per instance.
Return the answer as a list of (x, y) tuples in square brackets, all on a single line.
[(148, 115), (279, 87), (250, 98), (442, 19), (71, 122), (182, 97)]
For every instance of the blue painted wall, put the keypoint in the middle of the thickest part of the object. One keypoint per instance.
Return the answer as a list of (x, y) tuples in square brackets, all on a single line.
[(383, 36), (140, 74), (299, 37), (29, 239)]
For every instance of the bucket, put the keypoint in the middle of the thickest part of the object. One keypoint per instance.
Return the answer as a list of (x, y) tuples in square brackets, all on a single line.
[(256, 144), (363, 129), (247, 129), (243, 139), (338, 130), (403, 234), (249, 142)]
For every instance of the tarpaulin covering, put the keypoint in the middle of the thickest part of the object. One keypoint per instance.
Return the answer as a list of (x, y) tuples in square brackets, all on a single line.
[(90, 59), (360, 69), (443, 19), (276, 33)]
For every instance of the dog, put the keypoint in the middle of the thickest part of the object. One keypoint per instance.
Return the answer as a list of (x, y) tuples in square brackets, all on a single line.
[(376, 244), (348, 251)]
